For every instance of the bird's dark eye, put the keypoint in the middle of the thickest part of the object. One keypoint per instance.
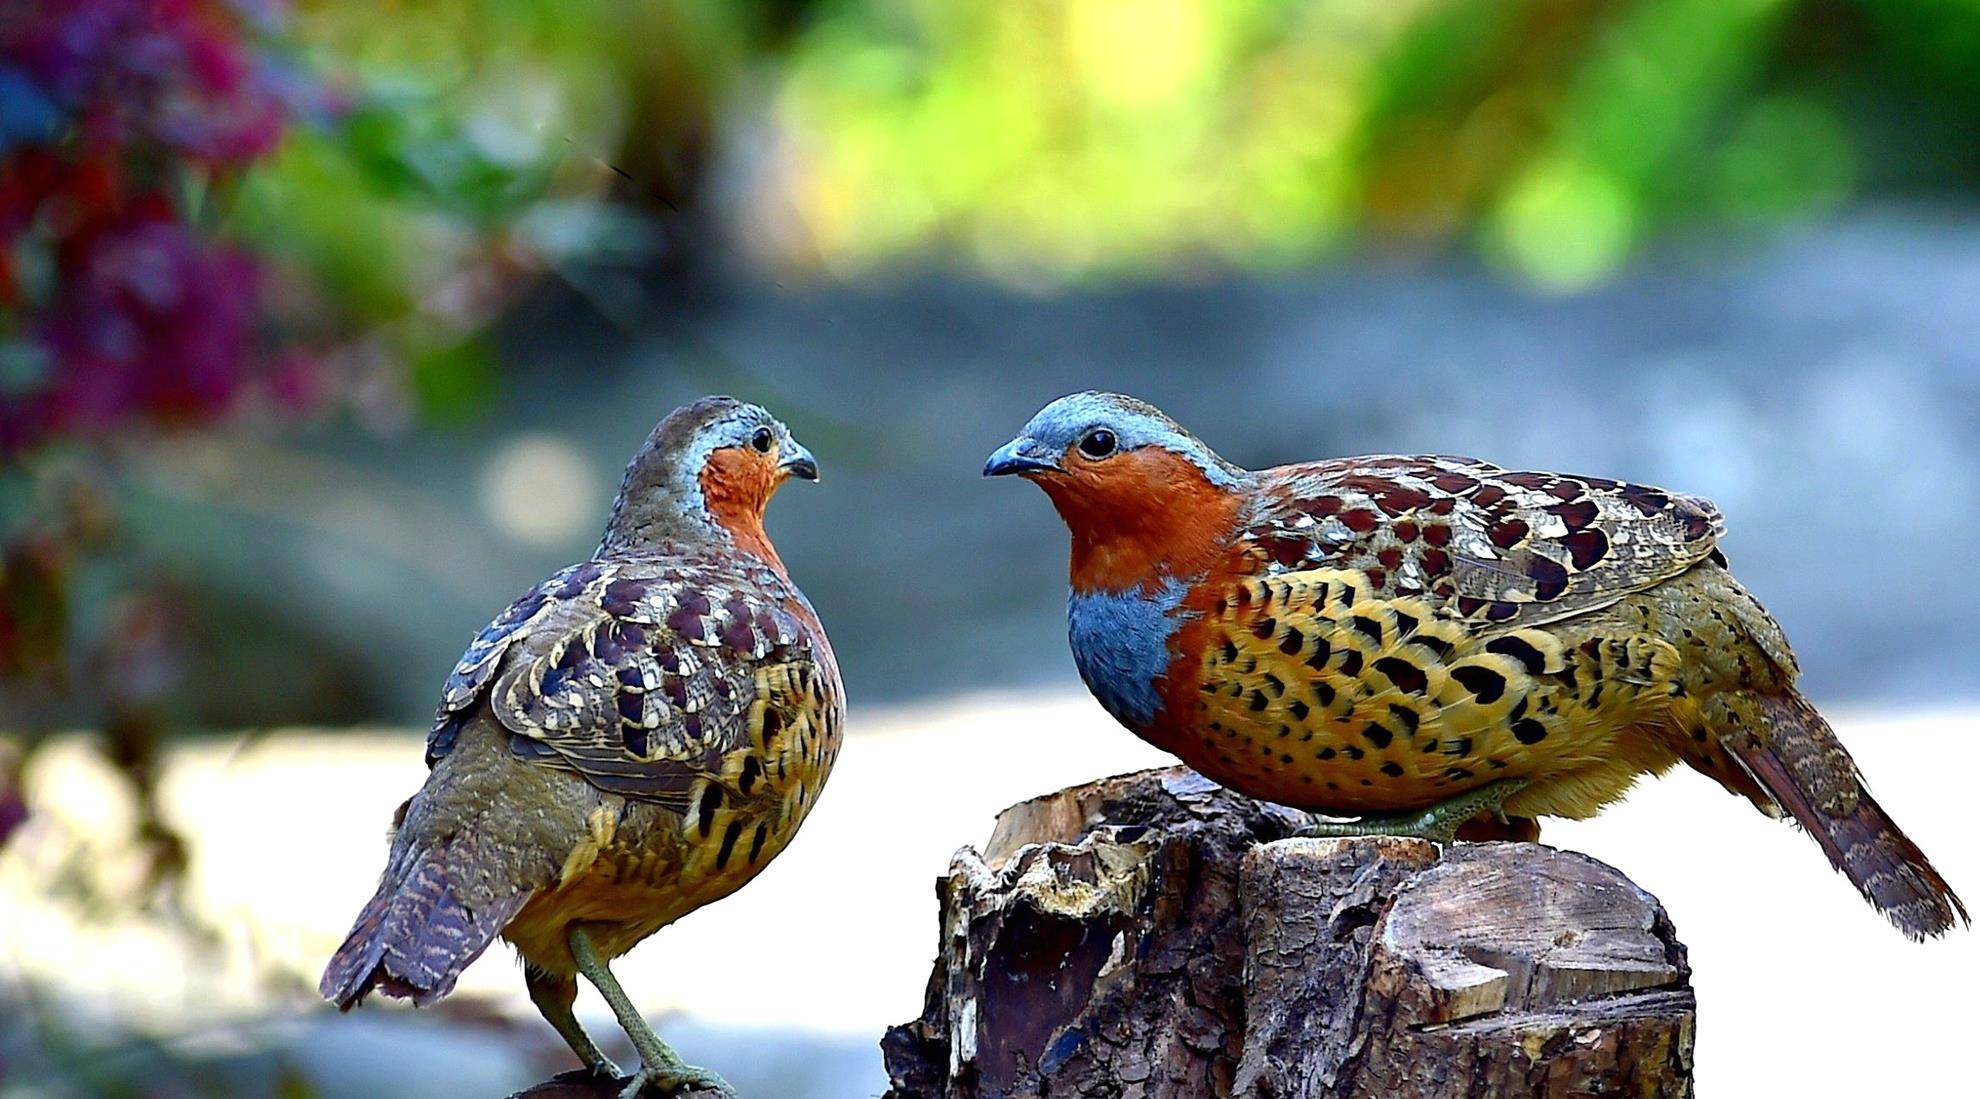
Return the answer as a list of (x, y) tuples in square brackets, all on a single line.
[(763, 440), (1098, 443)]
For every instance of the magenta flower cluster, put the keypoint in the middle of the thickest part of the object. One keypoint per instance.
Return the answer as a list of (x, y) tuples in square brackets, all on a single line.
[(116, 116)]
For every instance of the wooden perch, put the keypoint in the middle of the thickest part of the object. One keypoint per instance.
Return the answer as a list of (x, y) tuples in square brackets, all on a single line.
[(1153, 935)]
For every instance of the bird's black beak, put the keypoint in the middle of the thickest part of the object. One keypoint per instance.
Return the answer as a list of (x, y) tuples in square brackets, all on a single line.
[(1020, 456), (799, 463)]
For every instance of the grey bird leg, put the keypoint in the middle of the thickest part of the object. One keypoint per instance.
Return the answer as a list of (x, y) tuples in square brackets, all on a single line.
[(1439, 822), (553, 997), (660, 1067)]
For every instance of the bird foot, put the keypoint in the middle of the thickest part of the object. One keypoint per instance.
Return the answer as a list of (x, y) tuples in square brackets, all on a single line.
[(1439, 823), (677, 1080)]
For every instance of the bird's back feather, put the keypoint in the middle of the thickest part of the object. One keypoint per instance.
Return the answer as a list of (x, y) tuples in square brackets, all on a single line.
[(637, 672), (1501, 547)]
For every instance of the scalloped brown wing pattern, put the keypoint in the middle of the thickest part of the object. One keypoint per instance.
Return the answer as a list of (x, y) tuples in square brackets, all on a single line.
[(639, 674), (478, 664), (1483, 544)]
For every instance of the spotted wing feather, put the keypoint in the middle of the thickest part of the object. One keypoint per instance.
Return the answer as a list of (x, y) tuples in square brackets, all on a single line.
[(638, 674), (477, 666), (1478, 542)]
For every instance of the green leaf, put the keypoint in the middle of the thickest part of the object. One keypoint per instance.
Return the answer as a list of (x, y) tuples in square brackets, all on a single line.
[(453, 384)]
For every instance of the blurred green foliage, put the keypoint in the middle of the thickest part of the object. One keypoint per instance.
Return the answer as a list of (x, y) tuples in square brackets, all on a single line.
[(1046, 140), (473, 144), (477, 145)]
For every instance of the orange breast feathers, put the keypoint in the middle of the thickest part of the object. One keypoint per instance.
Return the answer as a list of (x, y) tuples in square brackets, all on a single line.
[(736, 485), (1140, 518)]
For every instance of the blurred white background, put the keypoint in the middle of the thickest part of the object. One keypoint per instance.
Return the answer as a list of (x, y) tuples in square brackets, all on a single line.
[(787, 986)]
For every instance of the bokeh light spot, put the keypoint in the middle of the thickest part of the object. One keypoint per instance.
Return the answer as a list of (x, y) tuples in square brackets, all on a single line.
[(1565, 224), (539, 490)]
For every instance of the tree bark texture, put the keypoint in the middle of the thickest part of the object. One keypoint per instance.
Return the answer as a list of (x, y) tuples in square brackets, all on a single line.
[(1154, 935)]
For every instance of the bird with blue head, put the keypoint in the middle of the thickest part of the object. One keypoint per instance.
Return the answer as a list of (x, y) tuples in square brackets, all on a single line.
[(1435, 645)]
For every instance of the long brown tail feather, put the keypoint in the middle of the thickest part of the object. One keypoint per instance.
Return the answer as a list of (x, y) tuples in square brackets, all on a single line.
[(414, 938), (1805, 769)]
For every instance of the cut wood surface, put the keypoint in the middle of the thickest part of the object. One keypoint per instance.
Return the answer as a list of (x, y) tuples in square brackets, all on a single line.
[(1153, 935)]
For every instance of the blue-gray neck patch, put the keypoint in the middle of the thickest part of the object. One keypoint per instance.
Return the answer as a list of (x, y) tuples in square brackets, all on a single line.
[(1120, 641)]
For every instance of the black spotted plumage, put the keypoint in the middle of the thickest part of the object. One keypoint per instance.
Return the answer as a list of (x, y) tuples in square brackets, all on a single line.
[(1550, 637)]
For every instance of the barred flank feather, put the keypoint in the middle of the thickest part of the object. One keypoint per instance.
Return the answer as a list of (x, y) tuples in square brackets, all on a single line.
[(1805, 769), (414, 938)]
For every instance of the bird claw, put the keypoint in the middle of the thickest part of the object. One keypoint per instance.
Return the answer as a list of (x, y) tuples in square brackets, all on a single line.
[(677, 1080), (1438, 824), (1406, 827)]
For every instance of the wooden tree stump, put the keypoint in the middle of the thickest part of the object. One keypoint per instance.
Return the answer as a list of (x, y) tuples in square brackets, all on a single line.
[(1153, 935)]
